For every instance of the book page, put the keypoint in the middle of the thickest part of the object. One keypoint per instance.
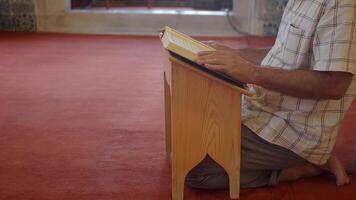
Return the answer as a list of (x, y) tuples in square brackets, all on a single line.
[(187, 42)]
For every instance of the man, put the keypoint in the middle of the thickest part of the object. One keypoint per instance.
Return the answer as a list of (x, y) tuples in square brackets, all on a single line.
[(303, 88)]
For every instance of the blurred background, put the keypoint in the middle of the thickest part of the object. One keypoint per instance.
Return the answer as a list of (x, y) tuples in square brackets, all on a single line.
[(82, 114), (143, 17)]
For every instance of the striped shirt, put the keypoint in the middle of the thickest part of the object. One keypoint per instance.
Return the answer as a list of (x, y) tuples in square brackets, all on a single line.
[(315, 35)]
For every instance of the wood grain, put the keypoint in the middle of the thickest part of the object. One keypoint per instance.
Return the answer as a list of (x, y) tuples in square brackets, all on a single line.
[(205, 120), (167, 104)]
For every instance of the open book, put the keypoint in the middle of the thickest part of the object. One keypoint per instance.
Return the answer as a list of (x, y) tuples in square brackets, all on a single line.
[(182, 44), (186, 49)]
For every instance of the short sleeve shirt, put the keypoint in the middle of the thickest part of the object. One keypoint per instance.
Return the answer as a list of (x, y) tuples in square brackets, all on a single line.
[(315, 35)]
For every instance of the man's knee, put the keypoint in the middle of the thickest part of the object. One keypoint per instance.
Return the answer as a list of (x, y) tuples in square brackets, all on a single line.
[(207, 175), (194, 180), (207, 181), (252, 179)]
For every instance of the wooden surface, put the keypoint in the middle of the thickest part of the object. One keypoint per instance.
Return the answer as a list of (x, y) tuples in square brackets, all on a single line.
[(354, 157), (205, 119), (167, 103)]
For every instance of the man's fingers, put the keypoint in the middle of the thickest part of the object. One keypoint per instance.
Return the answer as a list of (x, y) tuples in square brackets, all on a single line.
[(216, 67), (204, 53), (209, 42), (211, 53), (211, 60), (207, 61)]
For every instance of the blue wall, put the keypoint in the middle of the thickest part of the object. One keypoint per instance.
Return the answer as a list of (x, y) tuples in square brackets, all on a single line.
[(17, 15)]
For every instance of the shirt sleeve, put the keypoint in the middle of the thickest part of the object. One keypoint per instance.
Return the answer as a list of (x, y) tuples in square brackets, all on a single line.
[(334, 43)]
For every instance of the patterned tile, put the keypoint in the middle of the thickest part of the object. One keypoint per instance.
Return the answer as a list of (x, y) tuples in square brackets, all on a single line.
[(4, 7), (5, 17), (22, 6), (24, 22), (272, 15), (17, 15), (5, 22)]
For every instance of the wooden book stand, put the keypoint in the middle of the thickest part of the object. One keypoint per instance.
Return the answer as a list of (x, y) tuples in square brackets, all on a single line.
[(203, 117)]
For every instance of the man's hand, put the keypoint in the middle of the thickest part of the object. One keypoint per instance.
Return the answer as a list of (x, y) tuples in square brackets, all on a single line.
[(229, 62), (218, 46), (253, 55)]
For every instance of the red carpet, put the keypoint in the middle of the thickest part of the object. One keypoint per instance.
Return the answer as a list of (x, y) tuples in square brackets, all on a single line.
[(81, 118)]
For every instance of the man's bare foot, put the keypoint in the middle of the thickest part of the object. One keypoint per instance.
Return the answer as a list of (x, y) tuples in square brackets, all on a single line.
[(335, 166), (294, 173)]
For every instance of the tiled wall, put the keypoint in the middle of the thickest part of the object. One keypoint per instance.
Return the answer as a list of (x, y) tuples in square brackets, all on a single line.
[(271, 15), (5, 18), (17, 15), (259, 17)]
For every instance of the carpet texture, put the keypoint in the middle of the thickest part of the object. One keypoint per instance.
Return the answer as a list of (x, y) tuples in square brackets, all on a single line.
[(81, 117)]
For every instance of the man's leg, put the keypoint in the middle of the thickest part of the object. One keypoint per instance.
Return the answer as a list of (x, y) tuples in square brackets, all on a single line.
[(333, 165), (261, 165), (301, 171)]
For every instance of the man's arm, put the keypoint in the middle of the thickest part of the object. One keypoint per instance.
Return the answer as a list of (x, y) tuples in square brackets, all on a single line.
[(306, 84), (299, 83), (253, 55)]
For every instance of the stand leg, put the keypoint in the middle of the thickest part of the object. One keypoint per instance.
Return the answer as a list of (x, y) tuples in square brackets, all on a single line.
[(354, 158), (234, 186), (167, 112), (177, 185)]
